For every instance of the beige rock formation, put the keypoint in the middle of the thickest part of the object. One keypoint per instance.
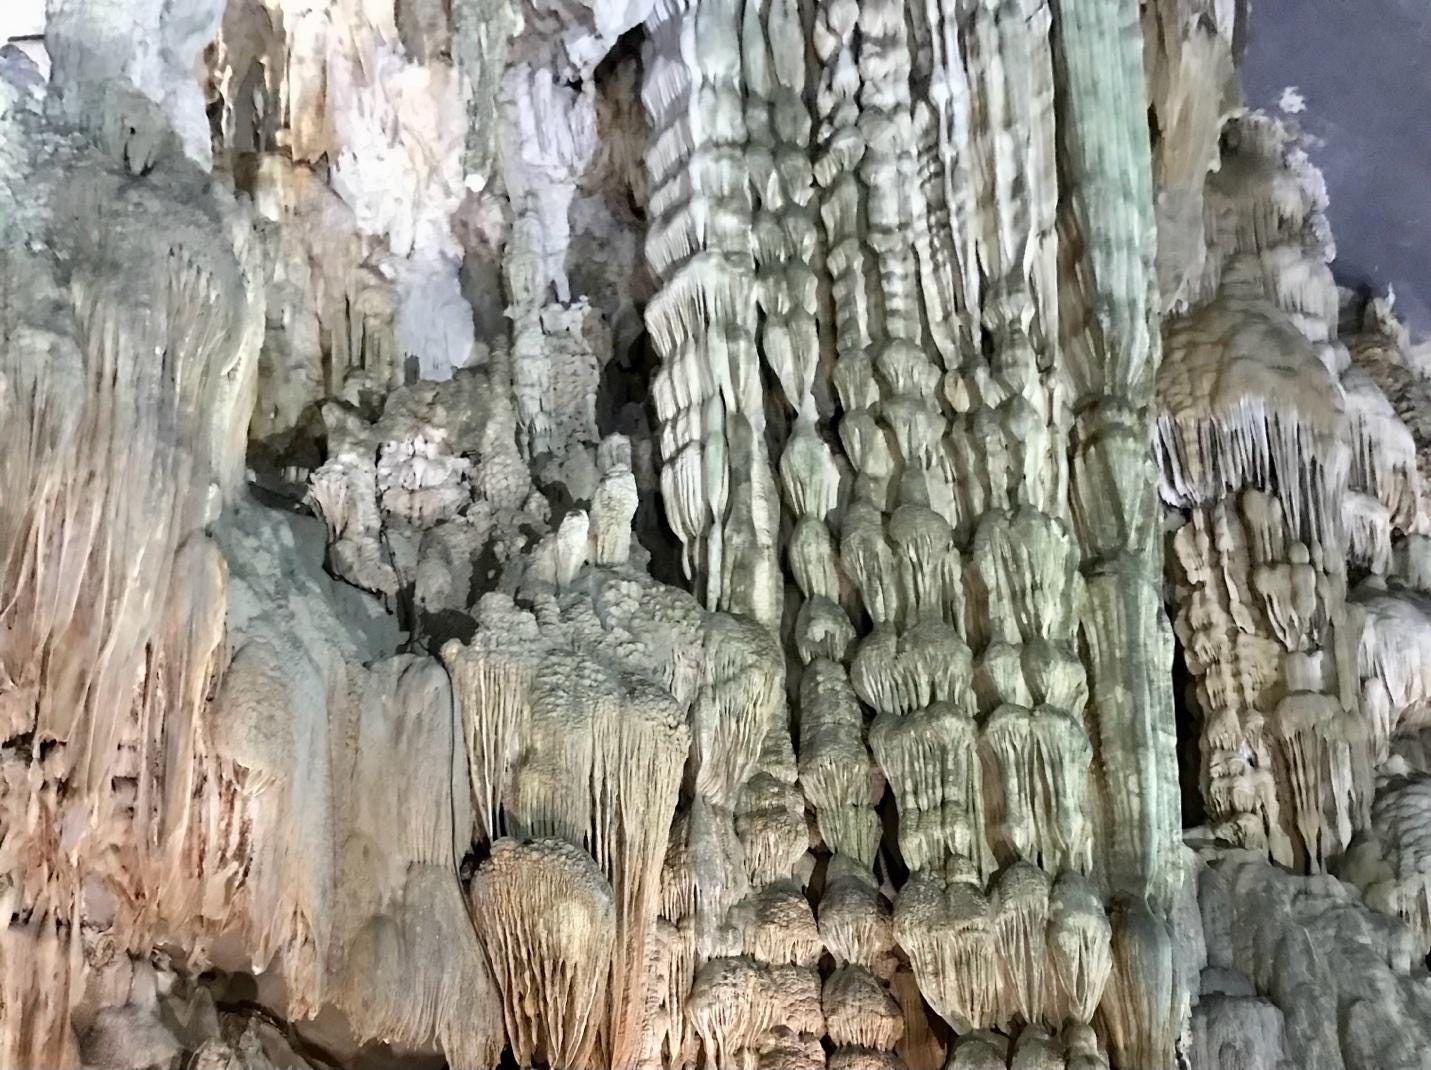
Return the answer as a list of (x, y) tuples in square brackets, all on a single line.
[(664, 534)]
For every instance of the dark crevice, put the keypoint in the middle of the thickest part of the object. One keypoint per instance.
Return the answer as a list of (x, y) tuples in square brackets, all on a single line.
[(624, 406), (628, 47), (1189, 730)]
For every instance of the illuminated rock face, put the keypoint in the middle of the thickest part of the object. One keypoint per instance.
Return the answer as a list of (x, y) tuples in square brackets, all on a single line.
[(656, 535)]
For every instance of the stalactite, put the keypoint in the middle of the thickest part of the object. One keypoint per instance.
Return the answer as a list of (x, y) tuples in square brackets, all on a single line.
[(1113, 358), (717, 480), (547, 922)]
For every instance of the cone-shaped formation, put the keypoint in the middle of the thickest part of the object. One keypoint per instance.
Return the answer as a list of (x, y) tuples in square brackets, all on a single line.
[(547, 921)]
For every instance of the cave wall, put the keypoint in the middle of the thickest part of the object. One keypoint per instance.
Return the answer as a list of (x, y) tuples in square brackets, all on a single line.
[(656, 535)]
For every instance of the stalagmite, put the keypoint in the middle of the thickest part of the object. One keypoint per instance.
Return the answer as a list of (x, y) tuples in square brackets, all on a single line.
[(614, 504)]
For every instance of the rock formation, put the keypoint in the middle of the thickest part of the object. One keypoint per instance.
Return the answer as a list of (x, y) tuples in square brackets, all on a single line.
[(691, 534)]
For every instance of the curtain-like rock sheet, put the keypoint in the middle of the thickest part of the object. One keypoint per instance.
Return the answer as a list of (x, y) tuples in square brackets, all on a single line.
[(697, 534)]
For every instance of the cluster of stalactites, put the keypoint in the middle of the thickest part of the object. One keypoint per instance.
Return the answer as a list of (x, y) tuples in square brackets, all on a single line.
[(1286, 758), (1380, 349), (987, 756), (579, 716), (1392, 620), (733, 241), (1291, 465), (838, 777), (1034, 950), (332, 316), (954, 539), (871, 203), (705, 244), (1246, 400), (1393, 654), (90, 406), (575, 719), (741, 911), (130, 339), (1390, 860)]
